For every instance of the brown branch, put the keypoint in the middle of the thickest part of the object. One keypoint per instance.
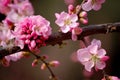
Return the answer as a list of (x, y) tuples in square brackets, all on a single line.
[(57, 38)]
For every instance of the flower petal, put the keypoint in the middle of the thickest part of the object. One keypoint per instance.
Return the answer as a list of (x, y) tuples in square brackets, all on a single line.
[(97, 42), (87, 6), (100, 64), (101, 53), (83, 55), (93, 49), (89, 65)]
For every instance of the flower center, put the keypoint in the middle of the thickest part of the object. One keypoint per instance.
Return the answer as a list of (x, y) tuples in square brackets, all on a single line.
[(94, 58), (67, 22)]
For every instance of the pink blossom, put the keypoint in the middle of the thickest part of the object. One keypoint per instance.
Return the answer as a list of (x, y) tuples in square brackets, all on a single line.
[(92, 56), (13, 57), (4, 6), (92, 4), (23, 7), (6, 40), (111, 78), (33, 31), (68, 23), (14, 17)]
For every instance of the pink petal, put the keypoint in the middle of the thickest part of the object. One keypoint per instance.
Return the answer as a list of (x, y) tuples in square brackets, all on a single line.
[(74, 25), (101, 53), (73, 17), (89, 65), (93, 49), (65, 29), (96, 7), (100, 65), (96, 42), (33, 43), (87, 6), (59, 22), (83, 55)]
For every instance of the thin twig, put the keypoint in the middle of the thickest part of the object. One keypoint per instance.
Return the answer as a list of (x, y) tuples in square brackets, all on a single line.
[(47, 65)]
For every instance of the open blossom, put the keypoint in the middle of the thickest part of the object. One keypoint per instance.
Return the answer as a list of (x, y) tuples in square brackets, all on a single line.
[(93, 56), (33, 31), (6, 38), (23, 7), (92, 4), (68, 23)]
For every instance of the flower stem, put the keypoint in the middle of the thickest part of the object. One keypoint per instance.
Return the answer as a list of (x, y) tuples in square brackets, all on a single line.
[(52, 77)]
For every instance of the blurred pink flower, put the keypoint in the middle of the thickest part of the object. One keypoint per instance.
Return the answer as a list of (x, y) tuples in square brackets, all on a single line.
[(23, 7), (13, 57), (92, 4), (111, 78), (4, 6), (33, 31), (6, 38), (92, 56), (69, 1)]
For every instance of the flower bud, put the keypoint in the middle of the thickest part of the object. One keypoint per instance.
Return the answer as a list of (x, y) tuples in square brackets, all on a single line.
[(83, 14), (35, 62), (54, 63), (84, 21), (43, 66)]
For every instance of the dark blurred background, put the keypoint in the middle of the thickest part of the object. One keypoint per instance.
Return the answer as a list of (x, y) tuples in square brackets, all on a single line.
[(68, 69)]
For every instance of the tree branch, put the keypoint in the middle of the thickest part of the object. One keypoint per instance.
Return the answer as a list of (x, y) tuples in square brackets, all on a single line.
[(57, 38)]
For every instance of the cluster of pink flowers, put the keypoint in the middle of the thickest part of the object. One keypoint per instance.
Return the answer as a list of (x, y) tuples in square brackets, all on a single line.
[(68, 22), (93, 56), (15, 10), (32, 31)]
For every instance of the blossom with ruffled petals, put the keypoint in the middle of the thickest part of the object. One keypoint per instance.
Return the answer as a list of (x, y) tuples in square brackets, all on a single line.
[(33, 31), (92, 4), (93, 56)]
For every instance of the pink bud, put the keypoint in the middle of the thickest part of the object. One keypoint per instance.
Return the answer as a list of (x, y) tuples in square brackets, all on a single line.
[(77, 30), (84, 21), (33, 44), (27, 41), (43, 66), (78, 8), (35, 62), (54, 63), (70, 9), (83, 14), (105, 58)]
